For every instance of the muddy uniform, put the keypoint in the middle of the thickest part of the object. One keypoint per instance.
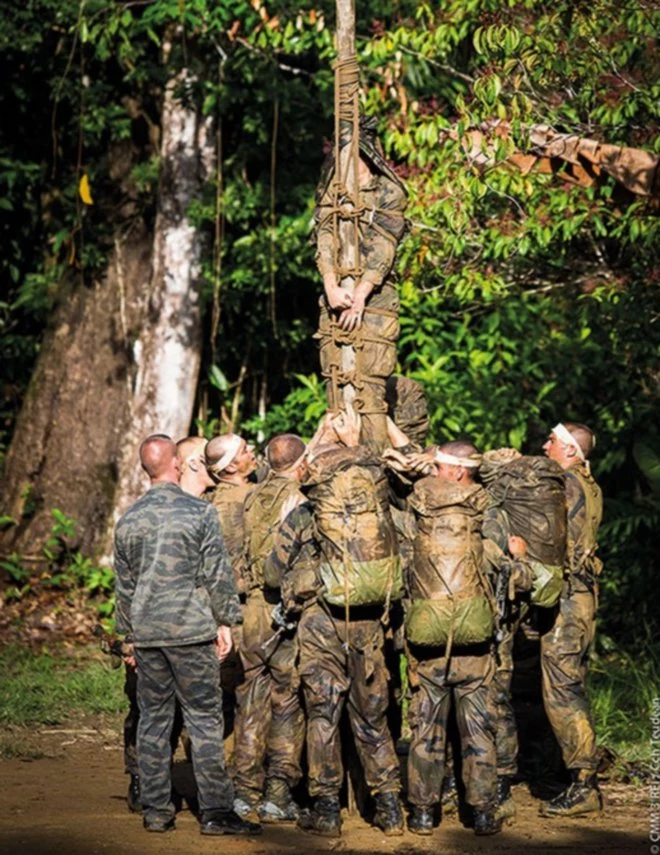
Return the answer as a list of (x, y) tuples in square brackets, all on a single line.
[(341, 661), (381, 227), (449, 627), (229, 502), (565, 648), (270, 727), (174, 587)]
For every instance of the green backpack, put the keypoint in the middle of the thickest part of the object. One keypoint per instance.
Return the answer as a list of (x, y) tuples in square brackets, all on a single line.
[(360, 563)]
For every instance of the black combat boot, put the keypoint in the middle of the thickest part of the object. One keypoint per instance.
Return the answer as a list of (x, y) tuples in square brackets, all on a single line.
[(277, 804), (506, 807), (449, 799), (388, 816), (486, 822), (227, 822), (420, 820), (133, 795), (324, 818), (582, 796)]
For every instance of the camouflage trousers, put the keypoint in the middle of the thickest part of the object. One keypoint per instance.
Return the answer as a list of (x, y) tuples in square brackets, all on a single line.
[(331, 677), (564, 663), (269, 731), (506, 731), (132, 719), (189, 674), (468, 682)]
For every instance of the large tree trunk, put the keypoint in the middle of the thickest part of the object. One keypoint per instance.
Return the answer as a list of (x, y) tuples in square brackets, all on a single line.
[(169, 349), (120, 361)]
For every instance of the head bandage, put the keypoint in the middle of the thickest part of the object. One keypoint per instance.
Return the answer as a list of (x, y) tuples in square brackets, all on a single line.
[(564, 435), (452, 460), (231, 452)]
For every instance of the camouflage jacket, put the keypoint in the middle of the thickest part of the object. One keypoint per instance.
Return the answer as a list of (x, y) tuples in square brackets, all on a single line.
[(584, 504), (294, 560), (229, 502), (381, 228), (174, 584)]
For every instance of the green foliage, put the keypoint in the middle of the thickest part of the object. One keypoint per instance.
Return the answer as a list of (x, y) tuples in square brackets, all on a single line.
[(622, 688), (66, 569), (43, 688)]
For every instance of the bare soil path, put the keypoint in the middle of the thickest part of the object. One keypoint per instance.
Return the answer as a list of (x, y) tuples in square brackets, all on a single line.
[(70, 801)]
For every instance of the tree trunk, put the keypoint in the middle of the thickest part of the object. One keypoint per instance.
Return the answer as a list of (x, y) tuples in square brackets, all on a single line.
[(120, 361), (169, 349)]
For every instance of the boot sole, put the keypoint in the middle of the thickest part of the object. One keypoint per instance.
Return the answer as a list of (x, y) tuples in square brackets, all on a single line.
[(552, 814), (319, 833), (426, 832), (228, 833)]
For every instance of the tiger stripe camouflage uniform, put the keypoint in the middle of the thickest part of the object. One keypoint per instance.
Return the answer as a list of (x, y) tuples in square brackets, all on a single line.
[(174, 587), (270, 725), (565, 648), (329, 675)]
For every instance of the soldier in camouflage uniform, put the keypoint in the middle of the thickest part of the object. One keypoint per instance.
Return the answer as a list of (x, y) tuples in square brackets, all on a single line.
[(270, 726), (176, 600), (230, 462), (341, 648), (448, 576), (368, 319), (565, 648)]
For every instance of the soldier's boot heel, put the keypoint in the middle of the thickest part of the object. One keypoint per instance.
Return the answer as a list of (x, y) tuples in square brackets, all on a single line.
[(506, 807), (449, 800), (388, 816), (420, 820), (278, 804), (486, 822), (581, 797), (133, 795), (323, 819)]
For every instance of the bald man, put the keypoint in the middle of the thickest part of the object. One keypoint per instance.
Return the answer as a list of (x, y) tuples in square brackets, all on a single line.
[(176, 601), (565, 648)]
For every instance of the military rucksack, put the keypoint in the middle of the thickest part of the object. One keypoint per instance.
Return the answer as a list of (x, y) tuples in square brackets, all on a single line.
[(359, 562), (262, 519), (531, 493), (450, 600)]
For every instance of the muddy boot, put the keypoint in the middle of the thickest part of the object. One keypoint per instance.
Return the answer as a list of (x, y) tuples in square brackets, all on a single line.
[(324, 818), (133, 795), (582, 796), (420, 820), (388, 816), (216, 822), (449, 800), (506, 807), (246, 803), (485, 822), (277, 804)]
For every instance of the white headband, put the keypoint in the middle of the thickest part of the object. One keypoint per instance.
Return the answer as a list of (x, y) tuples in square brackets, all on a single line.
[(451, 460), (220, 465), (564, 435)]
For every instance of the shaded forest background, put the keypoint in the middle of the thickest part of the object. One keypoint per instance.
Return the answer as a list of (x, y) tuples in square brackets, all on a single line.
[(526, 298)]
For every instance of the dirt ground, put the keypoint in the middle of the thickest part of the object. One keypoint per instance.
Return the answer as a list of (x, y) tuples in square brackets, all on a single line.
[(70, 800)]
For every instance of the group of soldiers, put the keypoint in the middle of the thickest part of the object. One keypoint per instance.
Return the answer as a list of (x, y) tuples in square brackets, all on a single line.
[(300, 575)]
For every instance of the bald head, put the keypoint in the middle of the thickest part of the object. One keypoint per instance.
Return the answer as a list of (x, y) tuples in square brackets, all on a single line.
[(158, 456), (283, 451), (448, 460), (583, 435)]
